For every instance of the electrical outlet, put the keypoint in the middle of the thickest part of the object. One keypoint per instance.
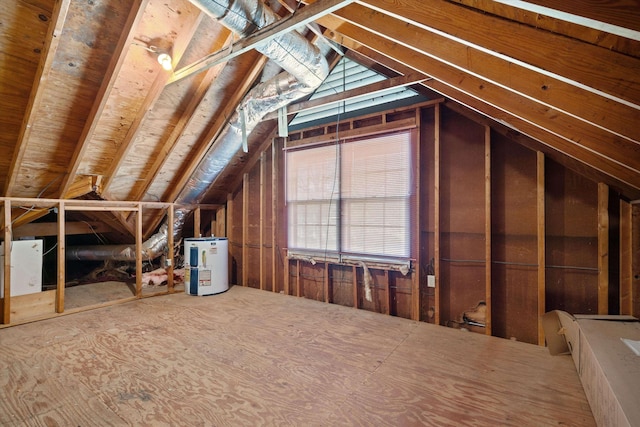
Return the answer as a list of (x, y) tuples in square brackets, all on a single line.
[(431, 281)]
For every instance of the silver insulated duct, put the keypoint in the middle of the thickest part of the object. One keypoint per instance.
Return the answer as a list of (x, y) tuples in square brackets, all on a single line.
[(305, 68)]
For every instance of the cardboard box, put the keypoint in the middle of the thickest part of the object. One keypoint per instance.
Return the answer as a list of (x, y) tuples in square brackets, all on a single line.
[(608, 366)]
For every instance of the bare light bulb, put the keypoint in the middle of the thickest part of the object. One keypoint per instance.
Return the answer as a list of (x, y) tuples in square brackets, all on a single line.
[(165, 60)]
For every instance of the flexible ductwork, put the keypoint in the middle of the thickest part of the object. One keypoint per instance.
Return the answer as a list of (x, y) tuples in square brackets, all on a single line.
[(305, 69)]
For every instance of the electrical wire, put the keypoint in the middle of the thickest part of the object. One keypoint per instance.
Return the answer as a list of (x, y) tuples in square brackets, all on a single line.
[(50, 249), (100, 239), (29, 209), (335, 170)]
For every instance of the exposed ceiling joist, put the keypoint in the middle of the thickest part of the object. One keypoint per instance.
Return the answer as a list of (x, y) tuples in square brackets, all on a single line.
[(36, 96), (574, 62), (205, 142), (83, 108), (492, 116), (215, 129), (51, 228), (573, 30), (168, 145), (302, 17), (626, 15), (576, 138), (351, 94), (111, 75), (150, 99)]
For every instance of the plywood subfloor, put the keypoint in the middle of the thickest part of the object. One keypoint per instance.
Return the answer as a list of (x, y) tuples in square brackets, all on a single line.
[(91, 294), (97, 293), (250, 357)]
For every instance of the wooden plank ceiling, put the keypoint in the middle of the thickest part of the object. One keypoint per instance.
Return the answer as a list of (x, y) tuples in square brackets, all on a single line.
[(87, 109)]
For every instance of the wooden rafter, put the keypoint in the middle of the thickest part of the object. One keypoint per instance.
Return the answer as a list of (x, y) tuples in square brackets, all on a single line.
[(622, 14), (58, 18), (111, 74), (567, 134), (572, 30), (304, 16), (169, 144), (362, 91), (51, 228), (26, 215), (486, 114), (152, 96), (204, 143), (514, 67), (215, 130), (255, 155)]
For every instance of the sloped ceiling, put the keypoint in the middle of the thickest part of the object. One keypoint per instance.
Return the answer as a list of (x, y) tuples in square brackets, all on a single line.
[(86, 108)]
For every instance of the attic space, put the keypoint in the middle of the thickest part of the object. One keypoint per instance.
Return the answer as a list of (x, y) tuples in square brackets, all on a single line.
[(430, 178)]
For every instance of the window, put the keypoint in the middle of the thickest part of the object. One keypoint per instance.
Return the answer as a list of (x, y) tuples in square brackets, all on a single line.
[(353, 198)]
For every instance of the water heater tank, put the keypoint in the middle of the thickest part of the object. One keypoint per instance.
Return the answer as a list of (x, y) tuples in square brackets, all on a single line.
[(206, 265)]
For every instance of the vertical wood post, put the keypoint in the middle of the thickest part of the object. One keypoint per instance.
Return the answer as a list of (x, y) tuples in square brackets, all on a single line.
[(221, 222), (139, 251), (230, 234), (263, 211), (6, 305), (245, 229), (196, 222), (436, 213), (635, 262), (298, 279), (287, 278), (541, 236), (170, 250), (354, 280), (487, 226), (417, 271), (326, 284), (61, 258), (387, 309), (274, 216), (626, 259), (603, 248)]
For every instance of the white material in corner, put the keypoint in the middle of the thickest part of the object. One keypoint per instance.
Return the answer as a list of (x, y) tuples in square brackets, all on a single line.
[(26, 267)]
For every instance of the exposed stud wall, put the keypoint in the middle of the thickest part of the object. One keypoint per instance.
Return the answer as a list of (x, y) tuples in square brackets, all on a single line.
[(462, 216), (514, 243), (571, 241), (515, 206)]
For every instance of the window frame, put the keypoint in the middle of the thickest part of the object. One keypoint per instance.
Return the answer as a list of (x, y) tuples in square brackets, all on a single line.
[(340, 254)]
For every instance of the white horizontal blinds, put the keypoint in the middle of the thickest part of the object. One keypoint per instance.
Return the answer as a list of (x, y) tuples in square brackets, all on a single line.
[(312, 194), (376, 196)]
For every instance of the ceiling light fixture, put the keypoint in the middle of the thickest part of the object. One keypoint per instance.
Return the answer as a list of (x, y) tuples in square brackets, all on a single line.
[(164, 57), (165, 60)]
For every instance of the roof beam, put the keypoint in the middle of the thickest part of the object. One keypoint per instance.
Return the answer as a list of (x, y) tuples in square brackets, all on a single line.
[(573, 30), (565, 133), (302, 17), (373, 26), (51, 229), (619, 15), (255, 154), (221, 121), (359, 92), (135, 14), (150, 99), (484, 113), (205, 142), (58, 17), (196, 97), (578, 79)]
